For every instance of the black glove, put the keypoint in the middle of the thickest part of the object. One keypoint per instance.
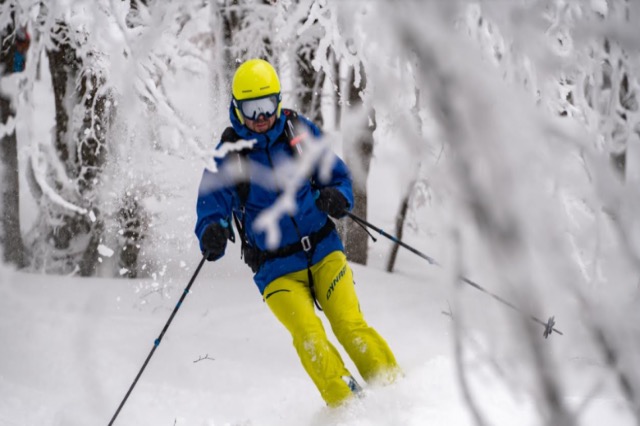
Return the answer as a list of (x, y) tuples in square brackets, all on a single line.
[(332, 202), (214, 240)]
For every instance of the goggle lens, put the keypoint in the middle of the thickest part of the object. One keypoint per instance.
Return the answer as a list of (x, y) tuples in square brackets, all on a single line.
[(251, 109)]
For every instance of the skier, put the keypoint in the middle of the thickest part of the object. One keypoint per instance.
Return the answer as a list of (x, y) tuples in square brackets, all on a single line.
[(309, 265)]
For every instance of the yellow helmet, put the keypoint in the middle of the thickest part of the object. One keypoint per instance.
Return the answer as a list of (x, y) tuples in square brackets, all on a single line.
[(255, 78)]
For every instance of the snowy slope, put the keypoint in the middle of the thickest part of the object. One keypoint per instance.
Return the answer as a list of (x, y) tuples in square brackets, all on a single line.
[(71, 347)]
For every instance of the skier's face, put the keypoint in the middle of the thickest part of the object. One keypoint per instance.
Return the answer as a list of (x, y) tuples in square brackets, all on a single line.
[(260, 124)]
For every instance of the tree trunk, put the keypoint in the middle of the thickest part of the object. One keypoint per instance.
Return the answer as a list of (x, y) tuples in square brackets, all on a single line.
[(400, 219), (12, 245), (310, 95), (133, 227), (230, 23), (404, 204), (72, 237), (337, 104), (358, 153)]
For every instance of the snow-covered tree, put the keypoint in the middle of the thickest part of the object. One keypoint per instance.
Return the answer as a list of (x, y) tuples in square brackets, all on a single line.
[(14, 44), (108, 63), (529, 129), (70, 232)]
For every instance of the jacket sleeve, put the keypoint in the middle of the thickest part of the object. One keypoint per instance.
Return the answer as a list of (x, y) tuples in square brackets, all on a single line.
[(215, 200), (340, 175)]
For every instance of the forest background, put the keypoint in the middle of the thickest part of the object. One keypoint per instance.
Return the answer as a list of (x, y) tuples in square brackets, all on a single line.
[(509, 133)]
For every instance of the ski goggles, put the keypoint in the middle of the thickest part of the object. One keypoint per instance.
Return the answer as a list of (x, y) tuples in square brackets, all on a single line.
[(251, 109)]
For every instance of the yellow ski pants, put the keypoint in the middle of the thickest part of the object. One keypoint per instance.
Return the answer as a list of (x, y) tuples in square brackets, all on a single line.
[(289, 297)]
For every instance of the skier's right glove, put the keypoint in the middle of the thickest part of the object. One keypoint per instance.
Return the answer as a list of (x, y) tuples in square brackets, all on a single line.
[(214, 241)]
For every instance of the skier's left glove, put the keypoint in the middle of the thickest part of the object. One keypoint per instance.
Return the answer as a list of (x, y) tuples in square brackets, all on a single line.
[(332, 202), (214, 241)]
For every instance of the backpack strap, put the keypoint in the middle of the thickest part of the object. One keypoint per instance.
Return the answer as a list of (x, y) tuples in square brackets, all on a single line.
[(289, 113), (242, 188), (229, 135), (292, 130)]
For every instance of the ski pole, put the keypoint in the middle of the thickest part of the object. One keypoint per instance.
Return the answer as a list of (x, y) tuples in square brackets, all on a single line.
[(156, 343), (548, 326)]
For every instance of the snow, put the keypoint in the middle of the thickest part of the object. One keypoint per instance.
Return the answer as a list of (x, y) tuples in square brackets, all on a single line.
[(72, 347), (105, 251)]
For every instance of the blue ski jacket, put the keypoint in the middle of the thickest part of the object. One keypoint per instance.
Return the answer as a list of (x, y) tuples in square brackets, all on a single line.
[(218, 198)]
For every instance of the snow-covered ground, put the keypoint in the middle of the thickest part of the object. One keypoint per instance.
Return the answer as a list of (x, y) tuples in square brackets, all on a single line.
[(71, 347)]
